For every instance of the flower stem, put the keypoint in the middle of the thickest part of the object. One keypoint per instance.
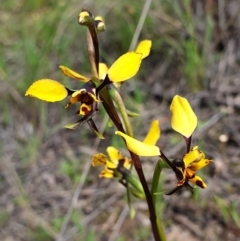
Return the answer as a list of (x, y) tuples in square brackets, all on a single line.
[(188, 143), (93, 52), (110, 108), (155, 223)]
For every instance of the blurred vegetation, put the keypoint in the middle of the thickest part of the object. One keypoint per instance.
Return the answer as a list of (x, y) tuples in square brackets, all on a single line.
[(38, 36)]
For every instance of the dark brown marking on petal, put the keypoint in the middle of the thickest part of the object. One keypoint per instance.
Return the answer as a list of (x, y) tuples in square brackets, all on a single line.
[(199, 183), (86, 98)]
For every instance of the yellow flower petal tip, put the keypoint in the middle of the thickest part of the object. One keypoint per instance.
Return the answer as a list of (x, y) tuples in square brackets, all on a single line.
[(47, 90), (183, 119), (153, 133), (144, 48), (72, 74), (125, 67), (139, 147)]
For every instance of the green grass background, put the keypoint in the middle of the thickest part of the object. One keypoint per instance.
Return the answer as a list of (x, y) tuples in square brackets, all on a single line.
[(38, 36)]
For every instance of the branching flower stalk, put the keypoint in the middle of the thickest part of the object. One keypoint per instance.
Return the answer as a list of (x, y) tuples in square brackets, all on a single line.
[(102, 88), (135, 158)]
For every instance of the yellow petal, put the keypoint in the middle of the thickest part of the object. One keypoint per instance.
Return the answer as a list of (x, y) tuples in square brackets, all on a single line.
[(198, 181), (85, 109), (144, 48), (107, 173), (114, 154), (75, 97), (99, 160), (125, 67), (200, 152), (192, 156), (183, 119), (153, 133), (111, 165), (139, 147), (72, 74), (200, 164), (47, 90), (195, 159), (103, 69)]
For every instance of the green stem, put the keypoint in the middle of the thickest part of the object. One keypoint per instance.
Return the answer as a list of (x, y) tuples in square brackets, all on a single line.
[(134, 182), (155, 181), (122, 109), (160, 230), (131, 208)]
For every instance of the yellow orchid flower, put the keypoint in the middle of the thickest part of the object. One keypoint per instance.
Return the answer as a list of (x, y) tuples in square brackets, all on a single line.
[(183, 119), (87, 96), (112, 167), (116, 157), (188, 167), (52, 91), (125, 67), (147, 147)]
